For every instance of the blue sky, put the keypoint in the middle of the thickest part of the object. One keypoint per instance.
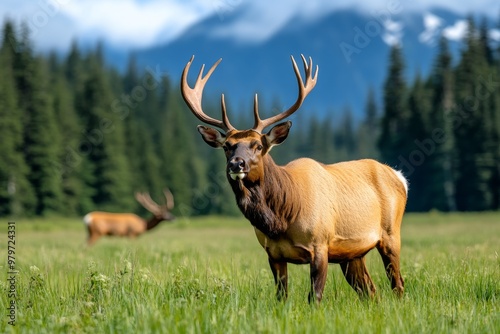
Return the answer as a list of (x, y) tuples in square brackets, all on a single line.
[(142, 23)]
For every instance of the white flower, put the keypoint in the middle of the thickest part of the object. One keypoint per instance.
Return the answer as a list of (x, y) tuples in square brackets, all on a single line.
[(128, 266), (101, 278), (144, 275)]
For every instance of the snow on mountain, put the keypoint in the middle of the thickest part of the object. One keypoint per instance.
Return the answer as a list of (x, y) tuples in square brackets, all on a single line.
[(495, 35), (456, 32), (350, 47), (393, 33), (433, 26)]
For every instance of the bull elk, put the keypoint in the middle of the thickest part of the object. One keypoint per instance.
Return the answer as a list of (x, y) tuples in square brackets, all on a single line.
[(307, 212), (128, 224)]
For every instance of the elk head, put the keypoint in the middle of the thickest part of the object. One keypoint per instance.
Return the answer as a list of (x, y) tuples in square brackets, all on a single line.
[(244, 149), (160, 212)]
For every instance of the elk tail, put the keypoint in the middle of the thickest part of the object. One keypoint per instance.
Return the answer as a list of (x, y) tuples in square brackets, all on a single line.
[(87, 219)]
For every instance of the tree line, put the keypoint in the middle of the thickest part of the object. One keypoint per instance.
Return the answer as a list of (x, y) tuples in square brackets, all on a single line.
[(77, 135), (443, 131)]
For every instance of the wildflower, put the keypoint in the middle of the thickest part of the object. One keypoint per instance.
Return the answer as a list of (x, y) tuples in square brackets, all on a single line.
[(128, 266), (144, 275)]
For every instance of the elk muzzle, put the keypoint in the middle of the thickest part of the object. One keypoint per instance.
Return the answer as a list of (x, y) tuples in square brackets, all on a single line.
[(236, 168)]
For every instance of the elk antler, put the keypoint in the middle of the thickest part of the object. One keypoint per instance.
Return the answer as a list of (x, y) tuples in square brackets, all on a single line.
[(169, 198), (193, 97), (147, 202), (304, 90)]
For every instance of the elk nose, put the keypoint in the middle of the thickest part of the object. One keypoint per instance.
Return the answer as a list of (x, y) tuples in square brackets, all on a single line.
[(236, 164)]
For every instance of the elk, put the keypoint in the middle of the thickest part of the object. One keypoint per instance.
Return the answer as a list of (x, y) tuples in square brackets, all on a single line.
[(307, 212), (128, 224)]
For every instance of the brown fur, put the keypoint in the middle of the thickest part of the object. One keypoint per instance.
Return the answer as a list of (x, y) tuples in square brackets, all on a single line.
[(307, 212), (310, 213), (128, 224), (117, 224), (335, 214)]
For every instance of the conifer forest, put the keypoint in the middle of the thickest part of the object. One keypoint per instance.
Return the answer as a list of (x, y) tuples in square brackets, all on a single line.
[(77, 135)]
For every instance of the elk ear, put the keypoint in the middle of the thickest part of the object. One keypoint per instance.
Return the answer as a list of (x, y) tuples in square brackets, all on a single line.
[(278, 133), (211, 136)]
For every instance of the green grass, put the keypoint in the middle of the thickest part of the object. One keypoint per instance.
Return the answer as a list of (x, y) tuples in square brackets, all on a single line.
[(210, 275)]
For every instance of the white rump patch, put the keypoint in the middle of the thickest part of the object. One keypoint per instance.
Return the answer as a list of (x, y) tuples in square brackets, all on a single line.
[(402, 178), (87, 219)]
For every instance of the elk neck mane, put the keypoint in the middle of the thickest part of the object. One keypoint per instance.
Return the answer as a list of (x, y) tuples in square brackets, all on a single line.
[(152, 222), (272, 202)]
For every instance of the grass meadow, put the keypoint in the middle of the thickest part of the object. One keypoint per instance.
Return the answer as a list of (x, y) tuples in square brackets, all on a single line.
[(210, 275)]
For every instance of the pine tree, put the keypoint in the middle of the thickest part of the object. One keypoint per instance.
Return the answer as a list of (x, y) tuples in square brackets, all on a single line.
[(345, 140), (328, 153), (495, 145), (16, 194), (422, 178), (495, 96), (103, 142), (393, 143), (216, 196), (470, 128), (441, 81), (149, 163), (74, 69), (133, 128), (70, 162), (315, 139), (484, 42), (182, 166), (368, 131), (282, 154), (41, 136)]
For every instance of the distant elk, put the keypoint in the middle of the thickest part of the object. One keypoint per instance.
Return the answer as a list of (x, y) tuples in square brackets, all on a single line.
[(307, 212), (128, 224)]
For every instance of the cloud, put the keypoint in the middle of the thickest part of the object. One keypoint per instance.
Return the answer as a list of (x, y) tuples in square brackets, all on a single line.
[(432, 26), (255, 21), (393, 33), (494, 34), (485, 7), (122, 23), (259, 20), (131, 23), (457, 31), (143, 23)]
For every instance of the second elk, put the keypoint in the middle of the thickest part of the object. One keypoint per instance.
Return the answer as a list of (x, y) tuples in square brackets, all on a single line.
[(128, 224)]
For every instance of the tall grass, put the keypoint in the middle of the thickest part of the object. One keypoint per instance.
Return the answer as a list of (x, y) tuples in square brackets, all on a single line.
[(210, 275)]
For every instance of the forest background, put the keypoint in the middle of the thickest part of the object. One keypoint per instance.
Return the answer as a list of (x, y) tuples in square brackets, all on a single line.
[(77, 135)]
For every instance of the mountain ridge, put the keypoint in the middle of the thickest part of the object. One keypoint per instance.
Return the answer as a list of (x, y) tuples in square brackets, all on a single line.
[(350, 48)]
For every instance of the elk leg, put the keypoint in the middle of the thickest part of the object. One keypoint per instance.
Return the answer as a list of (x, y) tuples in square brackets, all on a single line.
[(280, 274), (91, 238), (319, 269), (389, 251), (357, 276)]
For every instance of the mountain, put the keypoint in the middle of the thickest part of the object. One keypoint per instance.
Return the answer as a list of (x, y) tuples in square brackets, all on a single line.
[(350, 48)]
